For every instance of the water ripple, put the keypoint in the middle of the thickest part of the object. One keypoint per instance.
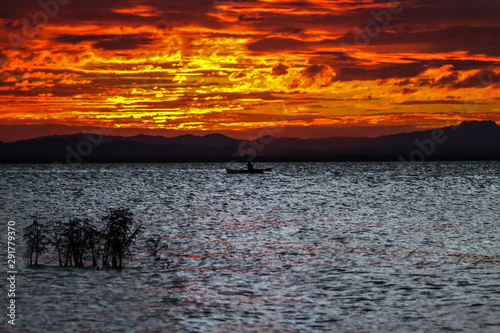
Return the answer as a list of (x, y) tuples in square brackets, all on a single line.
[(313, 247)]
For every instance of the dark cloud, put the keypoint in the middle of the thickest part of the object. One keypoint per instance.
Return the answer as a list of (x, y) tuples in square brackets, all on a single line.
[(127, 42), (386, 71), (475, 40), (277, 44), (244, 18), (408, 91), (456, 12), (333, 55), (109, 42), (483, 78), (280, 70), (3, 58), (457, 64), (314, 70), (404, 82), (76, 39), (290, 30), (447, 80)]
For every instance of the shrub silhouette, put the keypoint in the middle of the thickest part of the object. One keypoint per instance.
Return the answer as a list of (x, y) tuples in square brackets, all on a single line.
[(79, 240), (36, 241), (118, 236), (58, 241), (75, 242), (92, 241), (154, 246)]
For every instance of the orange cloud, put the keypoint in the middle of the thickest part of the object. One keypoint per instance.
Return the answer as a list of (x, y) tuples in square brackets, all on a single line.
[(230, 65)]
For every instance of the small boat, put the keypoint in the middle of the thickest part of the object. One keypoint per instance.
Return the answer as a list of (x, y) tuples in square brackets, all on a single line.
[(238, 171)]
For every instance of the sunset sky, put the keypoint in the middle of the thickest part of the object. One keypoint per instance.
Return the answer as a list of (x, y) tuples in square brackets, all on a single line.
[(311, 67)]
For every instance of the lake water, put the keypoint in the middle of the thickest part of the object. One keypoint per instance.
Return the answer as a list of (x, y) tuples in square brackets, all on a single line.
[(360, 247)]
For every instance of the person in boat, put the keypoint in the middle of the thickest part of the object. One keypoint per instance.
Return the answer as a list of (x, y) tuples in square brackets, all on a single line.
[(250, 166)]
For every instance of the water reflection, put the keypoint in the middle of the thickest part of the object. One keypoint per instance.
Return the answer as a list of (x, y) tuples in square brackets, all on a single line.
[(313, 247)]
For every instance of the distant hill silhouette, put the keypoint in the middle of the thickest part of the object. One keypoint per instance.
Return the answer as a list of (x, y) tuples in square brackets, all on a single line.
[(474, 140), (210, 140)]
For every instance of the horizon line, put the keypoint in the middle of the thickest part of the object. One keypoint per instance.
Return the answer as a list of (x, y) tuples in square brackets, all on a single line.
[(249, 135)]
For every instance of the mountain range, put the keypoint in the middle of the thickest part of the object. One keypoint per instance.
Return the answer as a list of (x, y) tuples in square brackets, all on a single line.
[(471, 140)]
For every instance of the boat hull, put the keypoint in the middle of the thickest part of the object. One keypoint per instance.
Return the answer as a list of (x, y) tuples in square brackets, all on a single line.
[(243, 171)]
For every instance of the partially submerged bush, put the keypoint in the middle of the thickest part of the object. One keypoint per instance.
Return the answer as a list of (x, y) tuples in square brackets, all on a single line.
[(118, 235), (154, 246), (75, 242), (36, 241), (79, 240)]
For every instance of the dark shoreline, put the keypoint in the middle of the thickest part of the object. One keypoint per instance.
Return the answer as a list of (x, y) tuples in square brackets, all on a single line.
[(469, 141), (268, 159)]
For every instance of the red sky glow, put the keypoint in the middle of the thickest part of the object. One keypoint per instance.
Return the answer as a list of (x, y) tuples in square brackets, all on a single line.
[(311, 68)]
